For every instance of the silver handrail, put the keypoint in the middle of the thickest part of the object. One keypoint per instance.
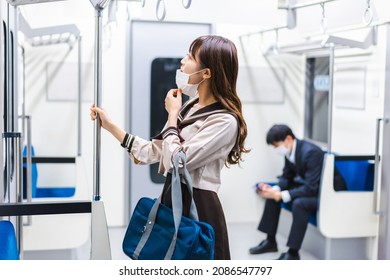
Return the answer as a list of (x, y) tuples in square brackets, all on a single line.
[(100, 241), (19, 188), (27, 119), (79, 99), (377, 186), (330, 96), (97, 100)]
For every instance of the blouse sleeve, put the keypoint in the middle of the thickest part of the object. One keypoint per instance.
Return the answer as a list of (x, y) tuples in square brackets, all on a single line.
[(145, 152)]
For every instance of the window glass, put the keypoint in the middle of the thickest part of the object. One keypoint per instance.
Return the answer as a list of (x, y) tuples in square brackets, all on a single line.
[(317, 99)]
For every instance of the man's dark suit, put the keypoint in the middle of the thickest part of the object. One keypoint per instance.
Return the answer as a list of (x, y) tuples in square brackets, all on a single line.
[(302, 180)]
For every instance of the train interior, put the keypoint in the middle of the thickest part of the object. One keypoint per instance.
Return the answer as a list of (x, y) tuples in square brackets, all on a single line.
[(67, 187)]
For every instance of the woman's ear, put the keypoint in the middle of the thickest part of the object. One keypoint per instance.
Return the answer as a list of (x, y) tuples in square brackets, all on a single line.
[(207, 74)]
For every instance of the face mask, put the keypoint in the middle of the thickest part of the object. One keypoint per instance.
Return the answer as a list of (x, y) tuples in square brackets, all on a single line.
[(282, 150), (182, 83)]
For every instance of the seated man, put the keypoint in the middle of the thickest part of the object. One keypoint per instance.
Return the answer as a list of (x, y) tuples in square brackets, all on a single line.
[(303, 160)]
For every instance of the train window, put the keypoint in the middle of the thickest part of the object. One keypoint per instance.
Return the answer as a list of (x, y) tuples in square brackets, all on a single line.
[(316, 99), (162, 80)]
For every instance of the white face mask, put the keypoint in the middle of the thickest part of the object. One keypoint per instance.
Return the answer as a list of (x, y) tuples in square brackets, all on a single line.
[(182, 83), (282, 150)]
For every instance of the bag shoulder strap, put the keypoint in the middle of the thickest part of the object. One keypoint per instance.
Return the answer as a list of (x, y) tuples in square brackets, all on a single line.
[(177, 202), (177, 207)]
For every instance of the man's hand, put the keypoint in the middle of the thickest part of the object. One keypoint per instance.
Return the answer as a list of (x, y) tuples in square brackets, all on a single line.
[(268, 192)]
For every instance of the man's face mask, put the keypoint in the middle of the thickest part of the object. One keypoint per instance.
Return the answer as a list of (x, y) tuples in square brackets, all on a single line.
[(282, 150), (182, 83)]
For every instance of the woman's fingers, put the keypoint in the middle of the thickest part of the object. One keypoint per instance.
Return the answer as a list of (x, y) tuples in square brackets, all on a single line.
[(173, 100), (94, 111)]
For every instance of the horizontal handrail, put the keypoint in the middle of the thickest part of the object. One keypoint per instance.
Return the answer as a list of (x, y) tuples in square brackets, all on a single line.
[(45, 208), (35, 159), (358, 157)]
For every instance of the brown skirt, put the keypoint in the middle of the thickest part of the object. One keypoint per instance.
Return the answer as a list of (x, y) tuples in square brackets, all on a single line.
[(209, 211)]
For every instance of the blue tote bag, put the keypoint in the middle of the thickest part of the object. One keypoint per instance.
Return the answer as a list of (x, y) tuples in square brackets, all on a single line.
[(157, 232)]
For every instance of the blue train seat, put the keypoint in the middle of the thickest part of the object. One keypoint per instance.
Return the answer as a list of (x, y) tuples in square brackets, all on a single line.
[(348, 213), (40, 192), (357, 174), (8, 245)]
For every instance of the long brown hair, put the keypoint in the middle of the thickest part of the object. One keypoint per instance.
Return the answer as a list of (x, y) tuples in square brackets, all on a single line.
[(219, 54)]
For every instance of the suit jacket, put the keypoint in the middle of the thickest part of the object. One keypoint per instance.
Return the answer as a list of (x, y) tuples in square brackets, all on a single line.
[(307, 167)]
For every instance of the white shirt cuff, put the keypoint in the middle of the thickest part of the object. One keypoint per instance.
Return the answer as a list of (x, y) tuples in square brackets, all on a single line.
[(286, 197), (285, 194)]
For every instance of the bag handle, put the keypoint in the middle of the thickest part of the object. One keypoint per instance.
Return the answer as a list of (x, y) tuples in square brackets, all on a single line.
[(176, 193), (177, 201), (177, 206)]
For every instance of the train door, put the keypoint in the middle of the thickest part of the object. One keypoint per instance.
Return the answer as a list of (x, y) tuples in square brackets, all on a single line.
[(153, 61)]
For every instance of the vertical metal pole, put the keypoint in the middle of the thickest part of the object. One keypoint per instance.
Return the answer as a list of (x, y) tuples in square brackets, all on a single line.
[(19, 188), (7, 179), (330, 96), (24, 89), (27, 136), (100, 241), (377, 188), (29, 166), (97, 99), (79, 100)]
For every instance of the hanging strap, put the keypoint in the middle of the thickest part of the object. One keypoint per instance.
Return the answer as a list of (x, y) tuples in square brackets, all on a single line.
[(177, 206)]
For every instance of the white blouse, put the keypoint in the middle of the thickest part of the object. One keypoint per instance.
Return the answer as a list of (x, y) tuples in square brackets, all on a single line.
[(207, 144)]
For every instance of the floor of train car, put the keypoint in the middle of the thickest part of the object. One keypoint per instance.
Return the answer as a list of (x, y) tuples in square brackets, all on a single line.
[(242, 236)]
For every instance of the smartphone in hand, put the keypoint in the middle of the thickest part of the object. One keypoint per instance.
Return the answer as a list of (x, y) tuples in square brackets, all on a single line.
[(259, 187)]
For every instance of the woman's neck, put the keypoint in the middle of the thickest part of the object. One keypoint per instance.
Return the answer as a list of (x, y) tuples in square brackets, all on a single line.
[(206, 98)]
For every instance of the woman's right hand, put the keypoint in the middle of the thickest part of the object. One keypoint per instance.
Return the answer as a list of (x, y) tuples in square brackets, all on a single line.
[(105, 121)]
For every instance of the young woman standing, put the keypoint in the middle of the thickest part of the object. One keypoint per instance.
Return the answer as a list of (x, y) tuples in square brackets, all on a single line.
[(209, 128)]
